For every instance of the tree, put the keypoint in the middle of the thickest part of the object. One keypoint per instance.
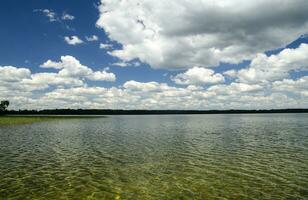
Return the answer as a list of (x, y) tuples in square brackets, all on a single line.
[(4, 105)]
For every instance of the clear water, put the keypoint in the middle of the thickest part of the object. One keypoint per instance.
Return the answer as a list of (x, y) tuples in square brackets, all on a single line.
[(157, 157)]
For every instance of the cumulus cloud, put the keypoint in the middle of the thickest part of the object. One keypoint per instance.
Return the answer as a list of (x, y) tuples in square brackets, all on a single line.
[(73, 92), (103, 75), (143, 87), (27, 85), (265, 68), (154, 95), (92, 38), (52, 64), (299, 86), (198, 76), (41, 81), (73, 40), (11, 74), (68, 88), (181, 34), (235, 88), (71, 67)]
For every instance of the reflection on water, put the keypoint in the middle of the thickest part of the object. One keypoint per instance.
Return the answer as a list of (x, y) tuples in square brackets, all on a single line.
[(157, 157)]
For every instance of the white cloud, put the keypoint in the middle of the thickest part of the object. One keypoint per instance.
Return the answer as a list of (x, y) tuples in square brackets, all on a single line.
[(92, 38), (181, 34), (103, 75), (105, 46), (120, 64), (41, 81), (144, 87), (52, 16), (127, 64), (52, 64), (198, 76), (231, 73), (72, 74), (275, 67), (71, 67), (235, 88), (11, 74), (66, 16), (73, 92), (299, 86), (154, 95), (73, 40)]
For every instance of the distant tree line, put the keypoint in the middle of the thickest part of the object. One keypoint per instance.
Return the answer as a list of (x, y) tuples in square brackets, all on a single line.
[(146, 112), (4, 105)]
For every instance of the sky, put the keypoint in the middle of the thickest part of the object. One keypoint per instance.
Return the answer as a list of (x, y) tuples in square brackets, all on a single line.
[(154, 54)]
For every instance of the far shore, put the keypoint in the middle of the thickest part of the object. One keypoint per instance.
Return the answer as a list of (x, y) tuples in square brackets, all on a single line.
[(6, 120), (100, 112)]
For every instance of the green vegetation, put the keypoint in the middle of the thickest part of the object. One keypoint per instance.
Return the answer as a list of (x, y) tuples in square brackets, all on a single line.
[(4, 105), (28, 119), (15, 120)]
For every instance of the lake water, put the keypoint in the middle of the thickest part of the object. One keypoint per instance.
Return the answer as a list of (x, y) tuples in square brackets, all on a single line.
[(249, 156)]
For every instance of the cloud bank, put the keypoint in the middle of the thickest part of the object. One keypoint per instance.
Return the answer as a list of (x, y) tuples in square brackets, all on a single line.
[(68, 88), (182, 34)]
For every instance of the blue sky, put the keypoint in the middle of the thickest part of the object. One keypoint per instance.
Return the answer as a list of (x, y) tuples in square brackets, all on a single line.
[(29, 38), (187, 57)]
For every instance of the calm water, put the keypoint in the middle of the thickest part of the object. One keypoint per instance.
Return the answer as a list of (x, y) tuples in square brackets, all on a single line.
[(157, 157)]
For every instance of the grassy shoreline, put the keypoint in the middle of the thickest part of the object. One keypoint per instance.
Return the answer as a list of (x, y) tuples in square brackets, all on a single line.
[(7, 120)]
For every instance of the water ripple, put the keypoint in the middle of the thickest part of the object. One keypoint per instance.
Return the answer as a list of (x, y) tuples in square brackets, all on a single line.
[(157, 157)]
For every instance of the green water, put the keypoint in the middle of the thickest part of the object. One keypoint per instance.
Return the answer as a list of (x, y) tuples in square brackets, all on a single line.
[(157, 157)]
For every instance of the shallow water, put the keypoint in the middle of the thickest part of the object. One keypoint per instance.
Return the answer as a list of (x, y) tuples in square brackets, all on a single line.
[(261, 156)]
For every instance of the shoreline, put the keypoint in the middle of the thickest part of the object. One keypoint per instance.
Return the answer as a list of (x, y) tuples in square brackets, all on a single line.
[(99, 112), (8, 120)]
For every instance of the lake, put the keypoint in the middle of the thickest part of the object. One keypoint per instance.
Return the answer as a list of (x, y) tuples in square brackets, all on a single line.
[(231, 156)]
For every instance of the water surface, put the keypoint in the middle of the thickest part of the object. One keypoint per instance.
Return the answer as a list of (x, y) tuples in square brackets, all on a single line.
[(260, 156)]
